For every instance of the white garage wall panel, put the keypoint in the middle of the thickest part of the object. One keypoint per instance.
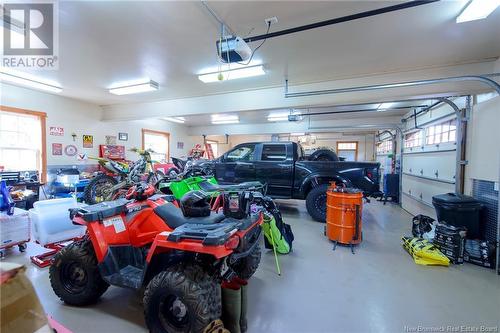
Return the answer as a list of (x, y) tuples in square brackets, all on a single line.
[(428, 170)]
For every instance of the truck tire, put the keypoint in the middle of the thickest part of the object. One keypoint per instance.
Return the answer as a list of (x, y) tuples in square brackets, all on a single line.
[(74, 275), (92, 193), (246, 267), (182, 298), (316, 203), (323, 155)]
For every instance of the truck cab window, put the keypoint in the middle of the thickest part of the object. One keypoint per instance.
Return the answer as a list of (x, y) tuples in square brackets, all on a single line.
[(243, 153), (273, 153)]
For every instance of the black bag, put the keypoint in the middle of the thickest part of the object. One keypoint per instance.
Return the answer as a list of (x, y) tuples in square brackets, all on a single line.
[(421, 224)]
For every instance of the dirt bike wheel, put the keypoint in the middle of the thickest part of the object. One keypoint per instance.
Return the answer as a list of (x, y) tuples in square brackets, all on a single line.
[(182, 298), (74, 275), (94, 192)]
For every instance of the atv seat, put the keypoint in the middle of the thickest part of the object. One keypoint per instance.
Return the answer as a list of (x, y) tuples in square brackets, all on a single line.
[(174, 218), (209, 187)]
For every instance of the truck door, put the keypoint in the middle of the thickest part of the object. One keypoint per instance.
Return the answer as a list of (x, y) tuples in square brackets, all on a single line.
[(275, 168), (237, 165)]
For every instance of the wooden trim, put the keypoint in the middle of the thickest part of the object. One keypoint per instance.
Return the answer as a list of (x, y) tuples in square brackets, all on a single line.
[(357, 147), (144, 131), (22, 111), (43, 128)]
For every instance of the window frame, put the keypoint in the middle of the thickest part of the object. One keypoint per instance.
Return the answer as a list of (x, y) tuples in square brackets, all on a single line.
[(449, 123), (43, 130), (420, 144), (383, 144), (273, 160), (356, 150), (226, 155), (155, 132)]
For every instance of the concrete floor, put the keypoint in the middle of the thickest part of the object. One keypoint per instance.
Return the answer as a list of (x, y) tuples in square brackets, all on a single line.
[(377, 289)]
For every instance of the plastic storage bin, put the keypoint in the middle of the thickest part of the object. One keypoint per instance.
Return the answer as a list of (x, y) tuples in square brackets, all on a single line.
[(14, 229), (460, 211), (51, 222)]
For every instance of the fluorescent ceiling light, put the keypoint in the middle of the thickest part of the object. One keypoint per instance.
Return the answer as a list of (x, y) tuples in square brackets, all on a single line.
[(280, 116), (220, 119), (28, 80), (180, 120), (477, 9), (134, 88), (232, 74), (385, 106)]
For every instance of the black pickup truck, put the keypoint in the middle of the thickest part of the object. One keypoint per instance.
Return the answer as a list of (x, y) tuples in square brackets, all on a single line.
[(289, 175)]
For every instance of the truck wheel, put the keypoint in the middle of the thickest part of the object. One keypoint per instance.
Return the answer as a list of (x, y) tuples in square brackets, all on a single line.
[(97, 190), (316, 203), (74, 275), (246, 267), (182, 298)]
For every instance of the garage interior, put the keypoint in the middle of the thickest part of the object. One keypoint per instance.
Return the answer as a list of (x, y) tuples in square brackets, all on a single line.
[(401, 96)]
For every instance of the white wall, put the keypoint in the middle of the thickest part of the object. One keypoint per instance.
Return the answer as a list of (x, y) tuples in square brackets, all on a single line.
[(84, 118), (483, 151)]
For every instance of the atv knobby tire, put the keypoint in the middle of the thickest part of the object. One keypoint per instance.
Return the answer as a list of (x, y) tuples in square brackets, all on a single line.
[(316, 202), (74, 275), (247, 266), (89, 193), (183, 298)]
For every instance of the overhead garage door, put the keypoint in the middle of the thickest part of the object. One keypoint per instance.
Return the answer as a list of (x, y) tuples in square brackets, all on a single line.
[(429, 159)]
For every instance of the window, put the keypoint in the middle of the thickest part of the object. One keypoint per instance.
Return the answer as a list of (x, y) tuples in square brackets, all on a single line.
[(348, 150), (273, 153), (159, 143), (384, 147), (440, 133), (22, 140), (242, 153), (413, 139)]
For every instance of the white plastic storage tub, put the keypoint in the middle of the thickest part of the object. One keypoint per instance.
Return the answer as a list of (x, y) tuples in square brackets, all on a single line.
[(14, 229), (51, 222)]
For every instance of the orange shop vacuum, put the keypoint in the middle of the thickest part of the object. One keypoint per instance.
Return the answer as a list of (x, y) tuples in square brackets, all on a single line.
[(344, 208)]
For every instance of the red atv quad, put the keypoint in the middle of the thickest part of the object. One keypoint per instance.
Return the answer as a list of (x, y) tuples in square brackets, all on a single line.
[(147, 241)]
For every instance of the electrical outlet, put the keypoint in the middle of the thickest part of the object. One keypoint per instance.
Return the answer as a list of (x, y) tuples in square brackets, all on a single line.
[(271, 20)]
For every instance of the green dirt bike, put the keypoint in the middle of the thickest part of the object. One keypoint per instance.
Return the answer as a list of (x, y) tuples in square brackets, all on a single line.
[(118, 177), (180, 186)]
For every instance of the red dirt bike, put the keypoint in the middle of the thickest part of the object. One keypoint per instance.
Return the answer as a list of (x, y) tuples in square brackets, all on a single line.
[(145, 241)]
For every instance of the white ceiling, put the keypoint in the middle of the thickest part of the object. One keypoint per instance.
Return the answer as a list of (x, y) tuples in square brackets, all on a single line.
[(341, 112), (105, 42)]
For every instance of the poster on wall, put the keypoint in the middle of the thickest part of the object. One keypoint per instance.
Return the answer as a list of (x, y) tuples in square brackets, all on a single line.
[(70, 150), (180, 145), (110, 140), (57, 131), (123, 136), (88, 141), (57, 149)]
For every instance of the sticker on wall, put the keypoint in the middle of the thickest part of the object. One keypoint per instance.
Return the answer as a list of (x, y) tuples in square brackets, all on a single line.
[(82, 157), (57, 131), (57, 149), (88, 141), (70, 150), (123, 136), (180, 145)]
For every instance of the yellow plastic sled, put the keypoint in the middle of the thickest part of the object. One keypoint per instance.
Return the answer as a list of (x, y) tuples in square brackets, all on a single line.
[(424, 252)]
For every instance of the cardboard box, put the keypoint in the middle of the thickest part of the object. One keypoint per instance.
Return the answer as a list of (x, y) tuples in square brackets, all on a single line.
[(20, 309)]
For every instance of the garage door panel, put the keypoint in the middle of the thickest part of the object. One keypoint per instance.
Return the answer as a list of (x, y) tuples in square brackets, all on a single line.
[(440, 166), (418, 192)]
